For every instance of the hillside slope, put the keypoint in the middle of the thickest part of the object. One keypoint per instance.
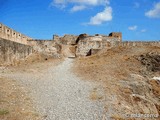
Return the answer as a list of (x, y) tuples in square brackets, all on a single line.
[(130, 78)]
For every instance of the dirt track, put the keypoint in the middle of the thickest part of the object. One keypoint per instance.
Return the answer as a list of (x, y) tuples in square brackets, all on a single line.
[(58, 94)]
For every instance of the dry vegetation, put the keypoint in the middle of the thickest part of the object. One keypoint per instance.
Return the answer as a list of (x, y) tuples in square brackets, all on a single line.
[(14, 102), (122, 75), (34, 63)]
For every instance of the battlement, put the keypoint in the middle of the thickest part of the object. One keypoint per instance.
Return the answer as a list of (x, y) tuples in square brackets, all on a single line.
[(82, 45), (139, 43), (12, 35)]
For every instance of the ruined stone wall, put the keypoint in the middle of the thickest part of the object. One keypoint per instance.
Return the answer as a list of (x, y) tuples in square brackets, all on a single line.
[(84, 46), (140, 43), (117, 35), (12, 51), (109, 42), (95, 42), (56, 38), (69, 39), (10, 34), (66, 39), (48, 47)]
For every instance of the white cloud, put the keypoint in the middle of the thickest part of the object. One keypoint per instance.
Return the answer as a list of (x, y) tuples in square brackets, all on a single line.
[(82, 2), (58, 3), (143, 30), (155, 12), (101, 17), (78, 8), (90, 2), (78, 3), (132, 27)]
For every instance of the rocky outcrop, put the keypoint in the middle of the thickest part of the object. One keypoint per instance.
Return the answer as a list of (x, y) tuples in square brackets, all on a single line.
[(151, 61)]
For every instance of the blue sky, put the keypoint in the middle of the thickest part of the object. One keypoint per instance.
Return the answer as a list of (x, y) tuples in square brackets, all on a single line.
[(136, 19)]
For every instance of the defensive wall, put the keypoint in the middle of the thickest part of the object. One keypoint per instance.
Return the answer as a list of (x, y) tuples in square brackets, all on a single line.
[(10, 51), (12, 35), (49, 47), (66, 39), (15, 46), (140, 43), (86, 45)]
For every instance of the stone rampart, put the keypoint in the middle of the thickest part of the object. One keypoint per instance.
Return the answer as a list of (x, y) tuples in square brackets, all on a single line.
[(12, 51), (49, 47), (139, 43), (86, 43), (12, 35), (66, 39)]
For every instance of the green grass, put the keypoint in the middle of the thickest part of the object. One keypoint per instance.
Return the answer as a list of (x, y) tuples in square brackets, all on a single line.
[(4, 112)]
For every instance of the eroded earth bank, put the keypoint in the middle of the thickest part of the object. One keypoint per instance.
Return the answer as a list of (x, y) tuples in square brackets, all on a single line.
[(131, 75)]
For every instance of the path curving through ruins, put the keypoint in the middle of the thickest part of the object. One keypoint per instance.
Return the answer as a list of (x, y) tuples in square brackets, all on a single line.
[(58, 94)]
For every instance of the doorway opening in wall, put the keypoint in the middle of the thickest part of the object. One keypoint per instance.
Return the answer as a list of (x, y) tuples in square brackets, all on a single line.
[(89, 53)]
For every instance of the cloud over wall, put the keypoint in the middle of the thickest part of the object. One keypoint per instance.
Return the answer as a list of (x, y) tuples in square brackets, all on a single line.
[(101, 17), (80, 5)]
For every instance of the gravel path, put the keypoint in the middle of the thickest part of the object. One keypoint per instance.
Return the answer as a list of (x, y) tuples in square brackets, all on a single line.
[(60, 95)]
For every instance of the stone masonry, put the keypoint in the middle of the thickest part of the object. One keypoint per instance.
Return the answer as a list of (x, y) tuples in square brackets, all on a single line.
[(67, 45), (13, 46), (86, 44), (10, 51), (12, 35)]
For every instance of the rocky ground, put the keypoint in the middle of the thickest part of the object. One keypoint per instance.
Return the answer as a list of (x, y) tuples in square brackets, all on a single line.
[(131, 74), (112, 85), (15, 104), (56, 93)]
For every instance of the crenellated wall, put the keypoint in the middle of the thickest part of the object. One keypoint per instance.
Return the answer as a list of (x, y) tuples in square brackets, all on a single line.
[(139, 43), (87, 46), (83, 44), (13, 45), (12, 35)]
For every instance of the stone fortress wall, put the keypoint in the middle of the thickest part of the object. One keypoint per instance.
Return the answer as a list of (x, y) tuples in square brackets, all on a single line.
[(84, 43), (12, 35), (140, 43), (87, 44), (14, 45), (66, 39), (11, 52), (49, 47), (84, 46)]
